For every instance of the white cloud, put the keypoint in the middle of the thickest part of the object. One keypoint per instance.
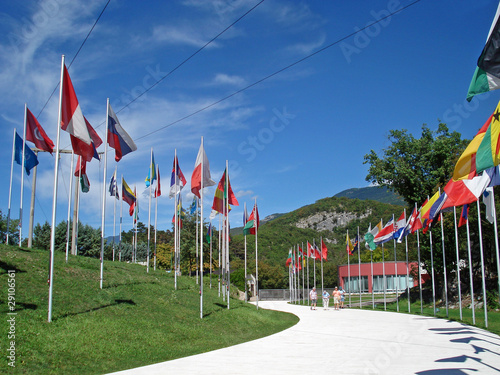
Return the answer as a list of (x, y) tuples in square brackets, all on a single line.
[(226, 79)]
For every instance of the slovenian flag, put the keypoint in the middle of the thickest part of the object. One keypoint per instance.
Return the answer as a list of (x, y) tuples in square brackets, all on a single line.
[(487, 75), (118, 138), (177, 181)]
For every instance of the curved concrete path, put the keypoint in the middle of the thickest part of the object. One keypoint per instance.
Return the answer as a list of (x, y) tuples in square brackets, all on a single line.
[(349, 342)]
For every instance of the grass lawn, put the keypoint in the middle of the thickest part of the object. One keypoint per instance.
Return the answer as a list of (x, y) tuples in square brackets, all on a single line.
[(135, 320)]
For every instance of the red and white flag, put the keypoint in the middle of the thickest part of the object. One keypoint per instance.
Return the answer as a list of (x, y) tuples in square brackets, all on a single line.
[(196, 176), (72, 120), (36, 134)]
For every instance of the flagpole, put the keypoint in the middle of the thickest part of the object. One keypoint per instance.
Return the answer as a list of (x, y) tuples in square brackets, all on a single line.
[(22, 180), (201, 229), (156, 214), (176, 244), (359, 268), (458, 262), (151, 171), (121, 219), (432, 273), (383, 277), (308, 300), (54, 197), (322, 286), (485, 305), (104, 192), (219, 248), (396, 281), (245, 236), (226, 211), (10, 188), (373, 286), (444, 265), (407, 263), (256, 256), (349, 266), (471, 276), (69, 203), (497, 250), (114, 212)]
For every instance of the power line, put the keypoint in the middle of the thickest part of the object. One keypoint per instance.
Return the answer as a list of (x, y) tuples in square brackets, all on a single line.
[(77, 52), (278, 71)]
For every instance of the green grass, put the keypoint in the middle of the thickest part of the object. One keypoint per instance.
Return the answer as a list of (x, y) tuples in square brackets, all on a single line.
[(135, 320)]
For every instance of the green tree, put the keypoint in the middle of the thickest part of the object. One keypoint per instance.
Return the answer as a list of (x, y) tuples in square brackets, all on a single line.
[(415, 167)]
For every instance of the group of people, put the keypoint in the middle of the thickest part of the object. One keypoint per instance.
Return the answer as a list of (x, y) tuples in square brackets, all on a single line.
[(338, 298)]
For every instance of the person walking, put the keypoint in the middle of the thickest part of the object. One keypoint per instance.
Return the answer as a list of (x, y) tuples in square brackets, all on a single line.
[(342, 297), (326, 299), (336, 298), (313, 296)]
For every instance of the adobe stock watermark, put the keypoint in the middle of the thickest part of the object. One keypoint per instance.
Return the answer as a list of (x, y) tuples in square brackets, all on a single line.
[(31, 27), (259, 141), (453, 117), (391, 351), (11, 318), (364, 36)]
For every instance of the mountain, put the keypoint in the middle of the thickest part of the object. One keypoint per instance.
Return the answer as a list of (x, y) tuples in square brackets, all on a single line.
[(376, 193)]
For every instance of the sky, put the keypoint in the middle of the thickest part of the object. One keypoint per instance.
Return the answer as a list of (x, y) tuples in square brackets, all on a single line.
[(334, 91)]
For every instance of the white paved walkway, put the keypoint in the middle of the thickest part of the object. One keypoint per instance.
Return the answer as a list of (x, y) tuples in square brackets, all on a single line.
[(349, 342)]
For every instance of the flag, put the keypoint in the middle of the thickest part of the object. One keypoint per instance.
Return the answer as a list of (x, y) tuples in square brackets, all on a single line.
[(399, 226), (465, 191), (36, 134), (289, 259), (417, 224), (494, 174), (196, 176), (128, 196), (488, 201), (437, 207), (487, 74), (118, 138), (409, 224), (488, 152), (194, 204), (386, 233), (348, 245), (370, 235), (253, 222), (180, 211), (208, 236), (81, 148), (134, 209), (30, 159), (157, 192), (222, 192), (313, 251), (425, 210), (81, 171), (113, 186), (324, 250), (176, 184), (152, 171), (72, 119), (464, 215), (466, 164)]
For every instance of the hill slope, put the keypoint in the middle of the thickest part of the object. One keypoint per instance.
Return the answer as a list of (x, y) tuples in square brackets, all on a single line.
[(135, 320), (376, 193)]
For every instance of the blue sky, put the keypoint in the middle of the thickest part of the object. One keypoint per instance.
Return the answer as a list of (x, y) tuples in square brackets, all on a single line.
[(290, 140)]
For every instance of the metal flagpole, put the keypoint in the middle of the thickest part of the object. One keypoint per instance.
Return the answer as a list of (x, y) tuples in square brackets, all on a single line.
[(373, 286), (10, 188), (308, 299), (256, 256), (432, 273), (485, 305), (176, 244), (156, 216), (211, 258), (201, 229), (151, 172), (69, 203), (220, 248), (458, 262), (359, 269), (54, 199), (121, 217), (244, 222), (470, 272), (226, 212), (444, 265), (396, 280), (104, 192), (303, 274), (115, 187), (407, 266), (321, 256), (349, 265), (384, 281), (22, 180)]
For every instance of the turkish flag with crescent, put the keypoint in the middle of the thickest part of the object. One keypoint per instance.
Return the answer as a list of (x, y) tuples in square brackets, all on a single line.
[(36, 134)]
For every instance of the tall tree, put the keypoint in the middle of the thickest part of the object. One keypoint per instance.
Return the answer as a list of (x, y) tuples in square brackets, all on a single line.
[(415, 167)]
